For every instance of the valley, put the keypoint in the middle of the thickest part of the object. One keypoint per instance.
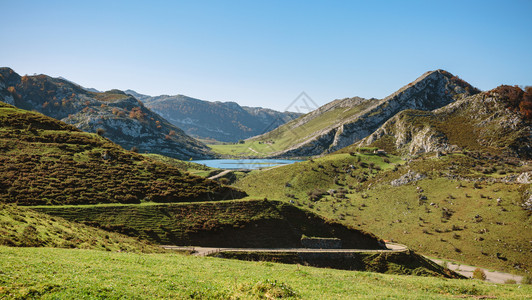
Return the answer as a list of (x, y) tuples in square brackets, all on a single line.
[(438, 166)]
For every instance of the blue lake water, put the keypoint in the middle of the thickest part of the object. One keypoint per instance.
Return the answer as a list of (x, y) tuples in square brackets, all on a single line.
[(252, 164)]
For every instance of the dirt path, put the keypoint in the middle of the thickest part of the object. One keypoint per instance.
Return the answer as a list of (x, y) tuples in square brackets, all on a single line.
[(491, 276), (203, 251), (219, 174)]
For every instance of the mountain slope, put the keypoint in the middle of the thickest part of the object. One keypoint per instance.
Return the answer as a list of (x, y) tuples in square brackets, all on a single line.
[(124, 119), (343, 122), (45, 161), (482, 122), (221, 121)]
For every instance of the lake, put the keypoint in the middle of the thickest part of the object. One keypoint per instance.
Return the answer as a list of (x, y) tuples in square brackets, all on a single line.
[(252, 164)]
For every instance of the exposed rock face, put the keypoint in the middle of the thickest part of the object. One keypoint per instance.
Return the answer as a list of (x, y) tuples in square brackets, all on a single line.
[(478, 122), (221, 121), (123, 119), (433, 90)]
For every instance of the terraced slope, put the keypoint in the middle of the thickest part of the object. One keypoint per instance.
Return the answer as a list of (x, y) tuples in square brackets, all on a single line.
[(120, 117), (245, 224), (45, 161), (343, 122)]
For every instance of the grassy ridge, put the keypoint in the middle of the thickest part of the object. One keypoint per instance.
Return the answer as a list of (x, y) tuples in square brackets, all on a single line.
[(290, 133), (254, 223), (44, 161), (23, 227), (454, 213), (32, 272)]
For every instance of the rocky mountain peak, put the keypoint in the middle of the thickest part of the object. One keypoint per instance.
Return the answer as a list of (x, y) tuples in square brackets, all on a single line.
[(432, 90)]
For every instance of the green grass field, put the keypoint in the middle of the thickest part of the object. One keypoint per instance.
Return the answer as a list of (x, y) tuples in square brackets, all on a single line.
[(48, 273)]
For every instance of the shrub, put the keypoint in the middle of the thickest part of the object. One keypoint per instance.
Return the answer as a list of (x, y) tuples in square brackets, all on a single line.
[(100, 131), (479, 274), (527, 279)]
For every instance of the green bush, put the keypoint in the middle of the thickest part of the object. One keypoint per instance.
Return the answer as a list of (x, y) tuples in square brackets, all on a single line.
[(479, 274)]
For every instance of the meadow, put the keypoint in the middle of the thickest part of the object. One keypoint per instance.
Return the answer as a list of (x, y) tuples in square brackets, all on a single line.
[(51, 273)]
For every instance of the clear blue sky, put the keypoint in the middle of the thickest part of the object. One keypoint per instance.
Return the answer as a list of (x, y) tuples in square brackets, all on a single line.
[(265, 53)]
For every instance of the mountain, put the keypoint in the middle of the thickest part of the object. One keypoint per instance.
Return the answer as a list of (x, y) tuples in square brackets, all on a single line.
[(342, 122), (483, 122), (120, 117), (44, 161), (220, 121)]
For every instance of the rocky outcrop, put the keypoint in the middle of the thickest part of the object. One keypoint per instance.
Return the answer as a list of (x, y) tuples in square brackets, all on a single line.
[(431, 91), (409, 177), (221, 121), (117, 116), (478, 122)]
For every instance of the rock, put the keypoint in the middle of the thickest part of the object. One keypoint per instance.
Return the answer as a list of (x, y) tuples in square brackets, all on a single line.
[(525, 178), (528, 204), (407, 178)]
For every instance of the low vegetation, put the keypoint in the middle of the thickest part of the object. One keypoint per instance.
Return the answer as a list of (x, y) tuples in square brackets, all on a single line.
[(464, 207), (47, 162), (33, 273)]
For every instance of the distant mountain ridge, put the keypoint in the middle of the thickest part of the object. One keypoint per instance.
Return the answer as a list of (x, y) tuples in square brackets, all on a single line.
[(124, 119), (221, 121), (342, 122)]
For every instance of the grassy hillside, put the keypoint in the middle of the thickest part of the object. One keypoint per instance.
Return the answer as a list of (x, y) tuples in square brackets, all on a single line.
[(85, 274), (296, 131), (23, 227), (44, 161), (453, 214), (254, 224)]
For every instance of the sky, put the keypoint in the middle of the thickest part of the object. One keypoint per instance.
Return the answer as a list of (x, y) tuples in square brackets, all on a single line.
[(266, 53)]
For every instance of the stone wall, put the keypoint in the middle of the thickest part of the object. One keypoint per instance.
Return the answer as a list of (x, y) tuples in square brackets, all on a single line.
[(321, 243)]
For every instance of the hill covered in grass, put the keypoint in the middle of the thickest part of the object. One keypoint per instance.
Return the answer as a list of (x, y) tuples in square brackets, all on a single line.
[(118, 116), (240, 224), (32, 272), (467, 206), (23, 227), (217, 121), (47, 162)]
